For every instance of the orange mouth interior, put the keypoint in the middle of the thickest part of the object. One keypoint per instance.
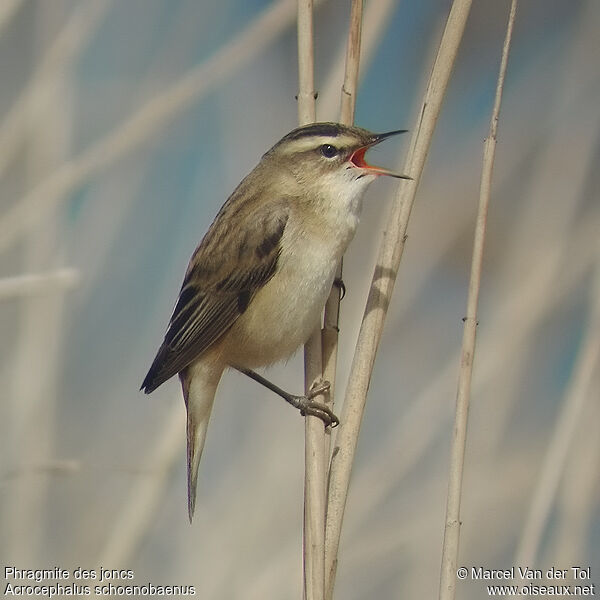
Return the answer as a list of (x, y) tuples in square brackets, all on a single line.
[(358, 159)]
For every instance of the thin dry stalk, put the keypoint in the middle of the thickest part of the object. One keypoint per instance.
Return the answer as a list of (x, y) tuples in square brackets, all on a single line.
[(331, 319), (383, 282), (349, 88), (329, 335), (578, 393), (315, 457), (306, 58), (154, 115), (375, 17), (315, 480), (457, 453)]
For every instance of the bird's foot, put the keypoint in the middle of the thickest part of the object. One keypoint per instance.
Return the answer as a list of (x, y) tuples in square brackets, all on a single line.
[(310, 407)]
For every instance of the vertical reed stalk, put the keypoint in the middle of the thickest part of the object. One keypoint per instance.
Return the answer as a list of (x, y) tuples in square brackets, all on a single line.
[(331, 318), (459, 439), (314, 435)]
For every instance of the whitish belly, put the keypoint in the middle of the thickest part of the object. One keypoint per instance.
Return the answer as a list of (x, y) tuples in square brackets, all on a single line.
[(284, 312)]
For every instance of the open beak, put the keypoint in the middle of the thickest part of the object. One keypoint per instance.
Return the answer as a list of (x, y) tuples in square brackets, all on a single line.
[(358, 157)]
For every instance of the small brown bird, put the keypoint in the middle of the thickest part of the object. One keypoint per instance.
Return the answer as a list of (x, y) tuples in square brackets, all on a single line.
[(256, 285)]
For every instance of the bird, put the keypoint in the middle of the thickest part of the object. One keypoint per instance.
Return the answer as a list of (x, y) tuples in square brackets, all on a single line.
[(257, 283)]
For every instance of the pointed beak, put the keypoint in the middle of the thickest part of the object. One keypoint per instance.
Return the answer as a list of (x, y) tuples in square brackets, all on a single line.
[(358, 157)]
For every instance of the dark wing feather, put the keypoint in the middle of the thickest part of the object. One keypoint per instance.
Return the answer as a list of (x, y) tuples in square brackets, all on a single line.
[(233, 261)]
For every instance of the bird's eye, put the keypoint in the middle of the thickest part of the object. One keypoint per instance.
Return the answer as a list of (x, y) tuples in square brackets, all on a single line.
[(328, 151)]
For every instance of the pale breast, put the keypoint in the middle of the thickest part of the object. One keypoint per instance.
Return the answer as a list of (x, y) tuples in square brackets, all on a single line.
[(282, 315)]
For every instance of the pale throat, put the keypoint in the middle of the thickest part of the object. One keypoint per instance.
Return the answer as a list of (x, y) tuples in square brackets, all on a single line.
[(342, 195)]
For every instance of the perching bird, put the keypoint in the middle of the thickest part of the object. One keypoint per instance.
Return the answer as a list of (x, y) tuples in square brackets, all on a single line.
[(256, 285)]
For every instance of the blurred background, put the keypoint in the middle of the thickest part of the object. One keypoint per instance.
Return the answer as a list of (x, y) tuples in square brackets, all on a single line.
[(123, 128)]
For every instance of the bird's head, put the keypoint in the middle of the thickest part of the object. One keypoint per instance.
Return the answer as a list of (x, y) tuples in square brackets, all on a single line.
[(330, 153)]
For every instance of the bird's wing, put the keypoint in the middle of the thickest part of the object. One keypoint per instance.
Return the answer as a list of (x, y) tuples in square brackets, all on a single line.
[(233, 261)]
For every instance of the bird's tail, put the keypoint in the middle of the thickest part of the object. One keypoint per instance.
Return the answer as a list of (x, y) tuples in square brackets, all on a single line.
[(199, 388)]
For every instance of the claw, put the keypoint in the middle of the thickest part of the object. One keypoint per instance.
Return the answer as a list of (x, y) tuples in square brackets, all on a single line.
[(339, 282)]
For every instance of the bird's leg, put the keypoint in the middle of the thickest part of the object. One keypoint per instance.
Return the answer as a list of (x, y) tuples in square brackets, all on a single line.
[(305, 404)]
